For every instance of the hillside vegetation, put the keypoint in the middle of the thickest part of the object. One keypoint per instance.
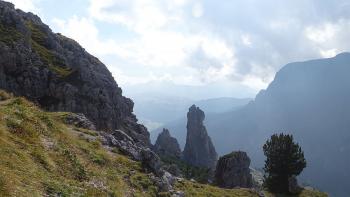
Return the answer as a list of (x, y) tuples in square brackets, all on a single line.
[(42, 156)]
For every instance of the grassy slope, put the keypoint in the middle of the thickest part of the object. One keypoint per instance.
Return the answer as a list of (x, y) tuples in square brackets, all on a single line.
[(40, 155)]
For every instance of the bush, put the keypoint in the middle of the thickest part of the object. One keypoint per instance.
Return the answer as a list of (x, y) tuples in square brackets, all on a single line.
[(284, 159)]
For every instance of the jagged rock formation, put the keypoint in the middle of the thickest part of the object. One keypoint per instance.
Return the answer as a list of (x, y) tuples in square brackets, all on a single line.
[(79, 120), (199, 150), (57, 73), (150, 160), (128, 146), (167, 146), (232, 170)]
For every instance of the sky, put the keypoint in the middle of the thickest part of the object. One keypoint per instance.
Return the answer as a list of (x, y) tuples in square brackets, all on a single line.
[(219, 48)]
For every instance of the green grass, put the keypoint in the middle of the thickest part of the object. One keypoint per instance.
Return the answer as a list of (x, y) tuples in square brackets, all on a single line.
[(4, 95), (40, 155), (202, 190), (9, 34), (190, 172), (38, 41)]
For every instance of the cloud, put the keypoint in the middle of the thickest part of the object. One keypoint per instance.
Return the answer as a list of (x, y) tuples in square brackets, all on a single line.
[(26, 5), (197, 10), (329, 38), (198, 42), (321, 34)]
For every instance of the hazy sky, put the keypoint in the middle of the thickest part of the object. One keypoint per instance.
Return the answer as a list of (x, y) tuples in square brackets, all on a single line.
[(233, 47)]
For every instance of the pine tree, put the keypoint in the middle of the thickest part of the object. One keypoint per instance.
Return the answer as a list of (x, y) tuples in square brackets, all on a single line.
[(284, 159)]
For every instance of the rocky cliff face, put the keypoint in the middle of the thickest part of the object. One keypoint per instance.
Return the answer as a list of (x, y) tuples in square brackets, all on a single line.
[(232, 170), (167, 146), (199, 150), (57, 73)]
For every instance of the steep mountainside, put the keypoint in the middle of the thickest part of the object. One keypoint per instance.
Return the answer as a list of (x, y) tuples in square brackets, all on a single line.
[(60, 75), (308, 99)]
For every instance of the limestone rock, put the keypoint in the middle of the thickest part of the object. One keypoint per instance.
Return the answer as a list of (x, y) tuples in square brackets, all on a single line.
[(232, 171), (167, 146), (79, 120), (128, 146), (173, 169), (258, 178), (59, 75), (199, 149)]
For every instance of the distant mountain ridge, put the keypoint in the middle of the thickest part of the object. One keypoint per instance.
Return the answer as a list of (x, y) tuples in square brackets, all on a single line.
[(307, 99), (176, 113), (162, 110)]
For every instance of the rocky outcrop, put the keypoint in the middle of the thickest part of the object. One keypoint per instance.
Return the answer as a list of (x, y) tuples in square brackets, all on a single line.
[(258, 178), (57, 73), (127, 145), (167, 146), (232, 171), (79, 120), (199, 150), (150, 160)]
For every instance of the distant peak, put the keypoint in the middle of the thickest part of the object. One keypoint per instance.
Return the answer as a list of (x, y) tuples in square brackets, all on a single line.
[(347, 54), (165, 132)]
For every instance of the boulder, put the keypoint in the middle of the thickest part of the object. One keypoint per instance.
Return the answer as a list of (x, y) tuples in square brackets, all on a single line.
[(232, 171), (167, 146), (79, 120), (128, 146), (199, 150)]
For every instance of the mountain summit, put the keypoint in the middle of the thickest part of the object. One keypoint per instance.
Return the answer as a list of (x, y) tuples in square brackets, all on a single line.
[(57, 73)]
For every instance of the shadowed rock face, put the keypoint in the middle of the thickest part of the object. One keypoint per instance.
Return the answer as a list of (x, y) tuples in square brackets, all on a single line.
[(57, 73), (199, 150), (232, 170), (167, 146)]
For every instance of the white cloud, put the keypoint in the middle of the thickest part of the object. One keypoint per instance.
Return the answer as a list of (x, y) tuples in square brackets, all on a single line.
[(26, 5), (329, 53), (155, 44), (329, 38), (200, 42), (321, 34), (86, 33), (246, 40), (197, 10)]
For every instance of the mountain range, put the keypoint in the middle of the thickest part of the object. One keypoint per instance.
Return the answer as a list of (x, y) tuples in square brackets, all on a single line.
[(154, 111), (68, 130), (307, 99)]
